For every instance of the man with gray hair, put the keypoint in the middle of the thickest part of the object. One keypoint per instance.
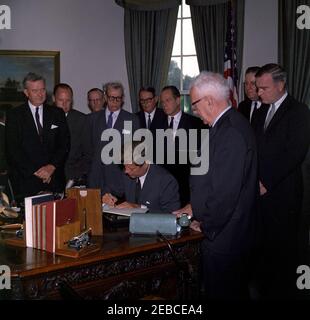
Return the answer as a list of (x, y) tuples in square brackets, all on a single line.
[(224, 199), (37, 142), (283, 134), (111, 117)]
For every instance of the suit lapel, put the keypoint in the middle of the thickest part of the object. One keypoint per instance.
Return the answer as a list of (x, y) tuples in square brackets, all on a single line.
[(29, 119), (142, 119), (119, 121), (146, 184), (279, 114), (47, 122), (248, 109), (182, 123)]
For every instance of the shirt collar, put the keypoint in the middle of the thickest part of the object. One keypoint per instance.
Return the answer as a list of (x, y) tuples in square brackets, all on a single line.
[(114, 115), (151, 114), (258, 103), (220, 115), (142, 178), (33, 108), (278, 102), (176, 117)]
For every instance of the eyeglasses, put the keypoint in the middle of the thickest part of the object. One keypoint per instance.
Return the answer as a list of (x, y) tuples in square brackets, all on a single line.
[(197, 101), (115, 99), (145, 101)]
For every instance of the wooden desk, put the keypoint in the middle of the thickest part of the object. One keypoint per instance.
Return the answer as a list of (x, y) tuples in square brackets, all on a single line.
[(126, 267)]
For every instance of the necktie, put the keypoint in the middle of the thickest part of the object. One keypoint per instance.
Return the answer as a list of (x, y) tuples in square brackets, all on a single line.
[(149, 122), (171, 123), (138, 190), (110, 120), (270, 115), (39, 126)]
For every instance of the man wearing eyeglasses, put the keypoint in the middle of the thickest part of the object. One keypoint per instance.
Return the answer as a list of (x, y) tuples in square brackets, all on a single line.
[(111, 117), (223, 199), (150, 116)]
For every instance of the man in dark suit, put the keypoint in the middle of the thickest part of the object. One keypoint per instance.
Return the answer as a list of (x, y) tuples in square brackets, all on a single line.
[(112, 117), (170, 99), (250, 106), (223, 199), (37, 142), (151, 117), (96, 99), (146, 185), (283, 137), (76, 164)]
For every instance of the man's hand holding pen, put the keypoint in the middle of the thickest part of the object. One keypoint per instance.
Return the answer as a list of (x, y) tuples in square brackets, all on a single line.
[(109, 199)]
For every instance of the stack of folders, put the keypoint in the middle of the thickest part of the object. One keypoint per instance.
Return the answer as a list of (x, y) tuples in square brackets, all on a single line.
[(42, 215)]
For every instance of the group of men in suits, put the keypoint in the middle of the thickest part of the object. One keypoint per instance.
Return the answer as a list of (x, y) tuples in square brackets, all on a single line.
[(282, 129), (109, 177), (249, 198)]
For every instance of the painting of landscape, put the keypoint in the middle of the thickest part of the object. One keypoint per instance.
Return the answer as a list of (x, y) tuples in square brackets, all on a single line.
[(14, 66)]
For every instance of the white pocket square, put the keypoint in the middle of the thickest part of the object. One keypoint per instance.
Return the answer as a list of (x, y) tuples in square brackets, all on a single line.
[(126, 131), (54, 127)]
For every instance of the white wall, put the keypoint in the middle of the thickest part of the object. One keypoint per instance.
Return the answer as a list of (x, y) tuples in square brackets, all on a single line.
[(260, 32), (88, 34)]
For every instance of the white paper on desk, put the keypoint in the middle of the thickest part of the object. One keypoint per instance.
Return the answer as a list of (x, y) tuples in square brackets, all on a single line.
[(122, 212)]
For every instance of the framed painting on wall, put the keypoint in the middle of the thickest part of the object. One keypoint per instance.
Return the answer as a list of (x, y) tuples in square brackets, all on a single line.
[(15, 65)]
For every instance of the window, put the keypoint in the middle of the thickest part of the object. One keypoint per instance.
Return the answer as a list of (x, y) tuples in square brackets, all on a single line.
[(183, 65)]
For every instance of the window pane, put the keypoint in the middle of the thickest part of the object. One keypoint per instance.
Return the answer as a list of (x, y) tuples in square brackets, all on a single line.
[(186, 10), (177, 40), (186, 103), (190, 70), (179, 12), (174, 75), (188, 38)]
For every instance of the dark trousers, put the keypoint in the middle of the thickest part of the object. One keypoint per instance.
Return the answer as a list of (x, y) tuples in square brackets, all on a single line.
[(225, 276)]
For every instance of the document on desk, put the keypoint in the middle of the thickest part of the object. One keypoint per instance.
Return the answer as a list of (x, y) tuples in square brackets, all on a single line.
[(122, 212)]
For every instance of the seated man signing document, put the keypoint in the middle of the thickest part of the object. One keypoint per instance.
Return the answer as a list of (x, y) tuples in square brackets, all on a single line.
[(145, 185)]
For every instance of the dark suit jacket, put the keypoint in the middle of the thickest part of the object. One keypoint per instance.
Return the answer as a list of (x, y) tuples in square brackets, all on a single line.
[(182, 171), (224, 198), (245, 108), (281, 150), (26, 154), (96, 124), (76, 165), (159, 121), (160, 192)]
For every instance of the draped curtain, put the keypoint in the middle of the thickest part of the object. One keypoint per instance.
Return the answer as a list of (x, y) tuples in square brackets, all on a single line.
[(149, 28), (294, 49), (209, 19), (294, 56)]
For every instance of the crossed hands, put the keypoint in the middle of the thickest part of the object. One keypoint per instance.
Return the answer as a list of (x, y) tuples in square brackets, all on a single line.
[(45, 173)]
